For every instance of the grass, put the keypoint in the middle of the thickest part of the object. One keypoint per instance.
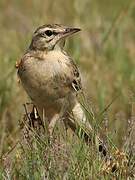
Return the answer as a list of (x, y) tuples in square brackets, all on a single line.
[(104, 52)]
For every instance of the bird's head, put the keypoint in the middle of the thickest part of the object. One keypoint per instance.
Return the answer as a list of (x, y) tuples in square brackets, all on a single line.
[(47, 36)]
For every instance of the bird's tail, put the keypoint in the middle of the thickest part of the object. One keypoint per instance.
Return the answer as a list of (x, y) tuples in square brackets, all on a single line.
[(79, 120)]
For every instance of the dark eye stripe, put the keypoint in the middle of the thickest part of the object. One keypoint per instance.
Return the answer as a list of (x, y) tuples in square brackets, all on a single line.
[(55, 33)]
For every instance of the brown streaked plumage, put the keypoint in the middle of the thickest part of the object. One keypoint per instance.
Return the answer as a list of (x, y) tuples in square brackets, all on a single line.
[(50, 76)]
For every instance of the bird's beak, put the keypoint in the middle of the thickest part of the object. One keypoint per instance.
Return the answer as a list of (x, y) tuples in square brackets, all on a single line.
[(69, 31)]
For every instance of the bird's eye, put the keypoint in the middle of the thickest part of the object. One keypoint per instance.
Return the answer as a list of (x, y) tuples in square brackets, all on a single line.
[(48, 32)]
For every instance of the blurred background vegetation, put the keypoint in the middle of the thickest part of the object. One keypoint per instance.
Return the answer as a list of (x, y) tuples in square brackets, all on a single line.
[(104, 52)]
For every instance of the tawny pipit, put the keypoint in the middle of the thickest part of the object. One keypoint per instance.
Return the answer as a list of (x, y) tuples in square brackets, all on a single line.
[(50, 76), (52, 80)]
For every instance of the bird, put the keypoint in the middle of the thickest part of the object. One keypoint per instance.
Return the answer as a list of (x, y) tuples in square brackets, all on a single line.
[(51, 77), (52, 80)]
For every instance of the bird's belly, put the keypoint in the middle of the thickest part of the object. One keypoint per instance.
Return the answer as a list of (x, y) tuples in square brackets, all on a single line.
[(42, 81)]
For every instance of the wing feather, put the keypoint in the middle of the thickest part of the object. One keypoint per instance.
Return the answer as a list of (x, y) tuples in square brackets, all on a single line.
[(75, 79)]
